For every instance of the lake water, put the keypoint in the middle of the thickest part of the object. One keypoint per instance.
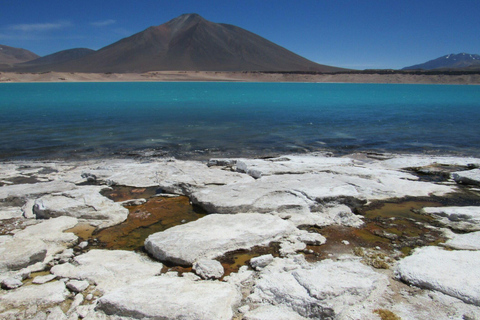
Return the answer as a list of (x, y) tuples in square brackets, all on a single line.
[(202, 119)]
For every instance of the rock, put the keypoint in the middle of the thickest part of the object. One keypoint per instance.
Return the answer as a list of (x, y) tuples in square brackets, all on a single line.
[(467, 241), (77, 285), (16, 254), (56, 313), (83, 244), (48, 294), (467, 177), (269, 312), (208, 269), (76, 302), (25, 190), (313, 198), (458, 274), (261, 261), (11, 283), (459, 218), (108, 269), (51, 232), (85, 203), (221, 162), (27, 209), (43, 279), (133, 202), (172, 298), (214, 235), (10, 212), (328, 289)]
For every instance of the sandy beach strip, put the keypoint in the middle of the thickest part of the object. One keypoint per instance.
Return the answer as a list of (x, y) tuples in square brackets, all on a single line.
[(410, 78)]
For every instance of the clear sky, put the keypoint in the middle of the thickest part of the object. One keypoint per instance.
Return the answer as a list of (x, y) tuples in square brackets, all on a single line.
[(357, 34)]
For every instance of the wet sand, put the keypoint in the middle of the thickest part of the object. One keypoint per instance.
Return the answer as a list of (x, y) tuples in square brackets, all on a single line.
[(410, 78)]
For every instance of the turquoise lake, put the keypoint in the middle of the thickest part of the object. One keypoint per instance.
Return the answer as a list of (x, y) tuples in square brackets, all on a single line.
[(201, 119)]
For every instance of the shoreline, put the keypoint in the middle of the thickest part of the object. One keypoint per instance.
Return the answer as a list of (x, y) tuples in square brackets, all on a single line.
[(239, 76), (269, 230)]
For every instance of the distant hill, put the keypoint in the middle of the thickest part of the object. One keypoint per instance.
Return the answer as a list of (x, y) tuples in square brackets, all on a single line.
[(10, 55), (57, 57), (189, 42), (461, 61)]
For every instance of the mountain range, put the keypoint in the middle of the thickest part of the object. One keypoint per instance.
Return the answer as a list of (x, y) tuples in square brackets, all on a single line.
[(188, 42), (461, 61)]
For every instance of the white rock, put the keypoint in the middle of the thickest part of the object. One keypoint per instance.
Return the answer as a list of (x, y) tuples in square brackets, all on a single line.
[(108, 269), (326, 289), (11, 283), (261, 261), (10, 212), (43, 279), (208, 269), (460, 218), (76, 302), (85, 203), (27, 209), (40, 295), (16, 254), (467, 177), (56, 313), (455, 273), (51, 232), (77, 285), (467, 241), (269, 312), (214, 235), (83, 244), (24, 190), (172, 298)]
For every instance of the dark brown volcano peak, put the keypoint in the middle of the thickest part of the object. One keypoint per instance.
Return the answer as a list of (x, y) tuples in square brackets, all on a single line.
[(191, 43)]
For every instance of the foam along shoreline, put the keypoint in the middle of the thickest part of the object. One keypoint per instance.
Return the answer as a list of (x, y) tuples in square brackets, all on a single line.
[(46, 270), (410, 78)]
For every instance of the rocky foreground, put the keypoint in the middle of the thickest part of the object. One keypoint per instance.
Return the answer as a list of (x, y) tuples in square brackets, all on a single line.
[(284, 203)]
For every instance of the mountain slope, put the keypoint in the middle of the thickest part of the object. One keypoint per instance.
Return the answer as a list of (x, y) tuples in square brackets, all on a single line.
[(60, 56), (11, 55), (189, 42), (450, 61)]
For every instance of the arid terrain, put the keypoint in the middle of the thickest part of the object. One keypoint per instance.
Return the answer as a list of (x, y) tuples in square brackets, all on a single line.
[(472, 78)]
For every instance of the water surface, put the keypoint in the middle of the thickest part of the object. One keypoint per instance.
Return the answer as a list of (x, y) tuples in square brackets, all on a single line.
[(65, 120)]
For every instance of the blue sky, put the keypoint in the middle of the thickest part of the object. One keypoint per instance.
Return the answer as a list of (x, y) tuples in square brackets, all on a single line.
[(357, 34)]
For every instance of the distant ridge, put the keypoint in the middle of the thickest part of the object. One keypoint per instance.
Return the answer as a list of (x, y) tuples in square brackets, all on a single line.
[(57, 57), (188, 43), (461, 61), (10, 55)]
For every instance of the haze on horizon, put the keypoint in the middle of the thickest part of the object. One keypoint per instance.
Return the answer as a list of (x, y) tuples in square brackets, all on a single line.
[(377, 34)]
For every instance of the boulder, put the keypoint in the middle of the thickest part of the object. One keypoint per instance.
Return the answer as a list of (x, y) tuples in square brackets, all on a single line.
[(51, 293), (458, 274), (85, 203), (10, 212), (51, 233), (467, 177), (270, 312), (168, 297), (108, 269), (16, 254), (325, 290), (214, 235), (77, 285), (208, 269), (466, 241), (25, 190), (260, 262), (11, 283), (459, 218)]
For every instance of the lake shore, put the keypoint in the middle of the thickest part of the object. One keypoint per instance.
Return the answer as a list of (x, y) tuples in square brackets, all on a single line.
[(407, 78), (296, 236)]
